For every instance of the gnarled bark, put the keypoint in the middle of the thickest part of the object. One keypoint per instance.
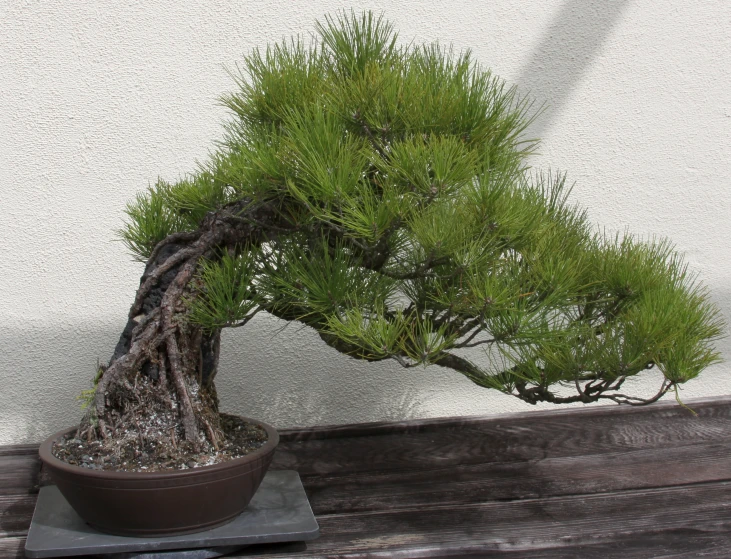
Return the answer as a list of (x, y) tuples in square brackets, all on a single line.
[(158, 389)]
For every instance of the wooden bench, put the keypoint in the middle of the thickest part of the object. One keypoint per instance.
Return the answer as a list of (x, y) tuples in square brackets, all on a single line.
[(600, 482)]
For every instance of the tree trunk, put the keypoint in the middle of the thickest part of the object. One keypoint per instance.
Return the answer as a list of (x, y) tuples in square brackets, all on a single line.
[(158, 390)]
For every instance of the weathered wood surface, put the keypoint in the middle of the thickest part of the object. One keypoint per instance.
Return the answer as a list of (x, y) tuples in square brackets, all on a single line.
[(609, 482)]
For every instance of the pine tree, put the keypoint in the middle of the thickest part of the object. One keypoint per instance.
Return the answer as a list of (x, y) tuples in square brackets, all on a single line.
[(381, 195)]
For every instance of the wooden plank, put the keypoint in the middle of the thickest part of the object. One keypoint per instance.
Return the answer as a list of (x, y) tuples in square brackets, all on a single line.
[(717, 406), (679, 544), (19, 473), (12, 548), (503, 439), (527, 528), (602, 473), (19, 449), (16, 512), (674, 545)]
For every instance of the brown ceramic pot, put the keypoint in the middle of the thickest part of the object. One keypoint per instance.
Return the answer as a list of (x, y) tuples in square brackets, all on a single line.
[(161, 503)]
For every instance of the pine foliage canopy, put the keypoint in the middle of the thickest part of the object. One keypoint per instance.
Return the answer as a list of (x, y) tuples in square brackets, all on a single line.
[(415, 230)]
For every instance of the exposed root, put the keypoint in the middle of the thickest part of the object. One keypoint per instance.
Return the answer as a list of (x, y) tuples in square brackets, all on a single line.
[(147, 426), (131, 361), (186, 407), (102, 428), (163, 379), (211, 435), (158, 389), (148, 434), (137, 450)]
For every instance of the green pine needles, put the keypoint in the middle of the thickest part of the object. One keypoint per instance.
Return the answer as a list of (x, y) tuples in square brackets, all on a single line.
[(409, 227)]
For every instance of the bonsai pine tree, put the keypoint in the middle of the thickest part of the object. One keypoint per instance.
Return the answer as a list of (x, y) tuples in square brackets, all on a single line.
[(381, 195)]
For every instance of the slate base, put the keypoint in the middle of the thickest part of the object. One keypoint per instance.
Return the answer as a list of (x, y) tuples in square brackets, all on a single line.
[(279, 512)]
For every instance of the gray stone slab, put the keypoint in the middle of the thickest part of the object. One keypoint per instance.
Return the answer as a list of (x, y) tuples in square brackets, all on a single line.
[(279, 512)]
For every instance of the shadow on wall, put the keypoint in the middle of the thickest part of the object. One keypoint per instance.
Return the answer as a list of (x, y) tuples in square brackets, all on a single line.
[(564, 53), (43, 369)]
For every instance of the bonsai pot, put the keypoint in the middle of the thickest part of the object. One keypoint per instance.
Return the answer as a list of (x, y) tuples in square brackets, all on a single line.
[(161, 503)]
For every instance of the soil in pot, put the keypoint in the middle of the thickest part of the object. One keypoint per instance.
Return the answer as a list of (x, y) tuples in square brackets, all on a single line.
[(131, 452)]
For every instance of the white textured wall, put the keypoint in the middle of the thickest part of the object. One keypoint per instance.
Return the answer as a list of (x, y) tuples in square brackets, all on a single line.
[(98, 98)]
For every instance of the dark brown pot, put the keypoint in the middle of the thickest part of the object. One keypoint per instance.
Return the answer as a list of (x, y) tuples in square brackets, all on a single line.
[(161, 503)]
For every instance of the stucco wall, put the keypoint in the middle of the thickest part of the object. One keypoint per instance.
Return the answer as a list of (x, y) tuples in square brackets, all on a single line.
[(97, 99)]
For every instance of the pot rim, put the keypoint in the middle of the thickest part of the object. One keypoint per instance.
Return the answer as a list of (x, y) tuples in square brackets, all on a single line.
[(47, 456)]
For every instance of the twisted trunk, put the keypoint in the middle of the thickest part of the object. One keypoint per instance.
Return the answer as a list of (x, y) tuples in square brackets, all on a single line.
[(158, 390)]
